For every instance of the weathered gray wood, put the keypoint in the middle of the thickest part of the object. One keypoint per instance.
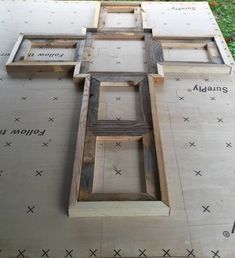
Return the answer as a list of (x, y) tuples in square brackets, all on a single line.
[(94, 101), (87, 173), (154, 52), (144, 101), (118, 128), (151, 167), (77, 166)]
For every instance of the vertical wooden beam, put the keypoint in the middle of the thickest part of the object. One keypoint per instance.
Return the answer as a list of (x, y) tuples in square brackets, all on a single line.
[(158, 142), (150, 167), (88, 163), (77, 167), (154, 53)]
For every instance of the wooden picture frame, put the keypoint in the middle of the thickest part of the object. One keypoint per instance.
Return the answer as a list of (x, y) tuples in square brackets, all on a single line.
[(83, 201), (197, 55), (20, 61), (115, 17), (151, 49)]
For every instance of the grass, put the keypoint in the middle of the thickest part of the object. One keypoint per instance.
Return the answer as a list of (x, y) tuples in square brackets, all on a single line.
[(224, 12)]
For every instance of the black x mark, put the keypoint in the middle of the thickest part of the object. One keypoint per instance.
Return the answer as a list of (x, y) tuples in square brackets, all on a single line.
[(51, 119), (118, 98), (190, 253), (206, 208), (23, 98), (93, 253), (186, 119), (177, 79), (198, 172), (30, 209), (118, 144), (118, 171), (142, 253), (220, 120), (46, 144), (21, 253), (55, 98), (166, 253), (45, 253), (212, 98), (117, 253), (228, 144), (38, 173), (192, 144), (17, 119), (215, 254), (181, 98), (69, 253), (8, 144), (118, 118)]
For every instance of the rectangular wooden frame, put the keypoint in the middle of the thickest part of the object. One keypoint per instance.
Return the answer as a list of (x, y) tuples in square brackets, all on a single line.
[(28, 67), (85, 203), (152, 192), (197, 67), (125, 8), (152, 47)]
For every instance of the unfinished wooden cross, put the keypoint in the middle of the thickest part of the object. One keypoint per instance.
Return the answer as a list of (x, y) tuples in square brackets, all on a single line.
[(119, 163)]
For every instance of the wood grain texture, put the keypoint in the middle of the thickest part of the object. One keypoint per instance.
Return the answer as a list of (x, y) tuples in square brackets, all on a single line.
[(99, 197), (119, 128), (15, 49), (151, 166), (154, 52), (87, 174), (77, 167), (158, 143), (117, 208), (114, 130), (144, 102)]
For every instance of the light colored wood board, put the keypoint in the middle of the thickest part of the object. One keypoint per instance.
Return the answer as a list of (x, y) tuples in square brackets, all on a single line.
[(127, 208), (77, 167), (186, 55), (119, 169), (226, 56), (158, 142), (118, 56), (121, 3), (165, 18), (15, 48), (97, 14), (119, 102), (145, 228), (117, 20), (42, 229), (29, 68), (195, 68), (58, 54)]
